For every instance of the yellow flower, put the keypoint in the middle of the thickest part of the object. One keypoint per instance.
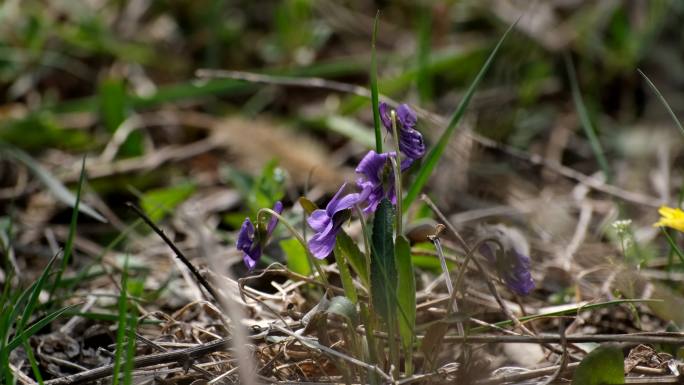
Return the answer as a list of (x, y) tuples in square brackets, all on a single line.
[(671, 217)]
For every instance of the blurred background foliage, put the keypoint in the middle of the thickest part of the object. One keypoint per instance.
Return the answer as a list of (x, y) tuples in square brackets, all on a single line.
[(76, 73)]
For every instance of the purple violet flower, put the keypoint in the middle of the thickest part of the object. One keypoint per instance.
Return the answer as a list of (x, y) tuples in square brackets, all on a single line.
[(513, 264), (377, 179), (251, 243), (327, 223), (410, 140)]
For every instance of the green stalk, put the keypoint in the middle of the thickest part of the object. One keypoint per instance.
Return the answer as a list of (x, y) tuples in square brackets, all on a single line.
[(397, 173), (312, 260), (374, 87)]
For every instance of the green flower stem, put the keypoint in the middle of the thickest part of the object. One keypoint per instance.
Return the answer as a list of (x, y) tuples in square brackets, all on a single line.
[(397, 171), (366, 240), (312, 260)]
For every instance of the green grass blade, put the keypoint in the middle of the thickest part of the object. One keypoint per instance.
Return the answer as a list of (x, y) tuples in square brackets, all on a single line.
[(33, 298), (33, 329), (589, 129), (32, 361), (53, 184), (663, 101), (423, 77), (72, 231), (374, 87), (433, 157), (121, 331), (564, 312)]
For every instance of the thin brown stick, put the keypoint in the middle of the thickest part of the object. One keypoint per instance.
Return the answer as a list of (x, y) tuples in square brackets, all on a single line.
[(182, 356), (178, 253)]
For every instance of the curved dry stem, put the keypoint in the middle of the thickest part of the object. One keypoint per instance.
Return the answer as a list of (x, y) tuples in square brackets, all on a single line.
[(312, 260)]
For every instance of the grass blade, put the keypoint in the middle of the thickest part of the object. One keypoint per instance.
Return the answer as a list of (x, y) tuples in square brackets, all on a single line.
[(33, 298), (423, 77), (433, 157), (121, 331), (32, 361), (374, 87), (589, 129), (53, 184), (33, 329), (663, 101), (72, 231)]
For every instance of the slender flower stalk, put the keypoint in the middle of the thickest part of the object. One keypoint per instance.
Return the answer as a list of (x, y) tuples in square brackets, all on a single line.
[(299, 238), (397, 172)]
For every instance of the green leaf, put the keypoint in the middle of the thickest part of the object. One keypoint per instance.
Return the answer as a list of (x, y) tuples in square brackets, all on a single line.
[(406, 297), (269, 187), (53, 184), (345, 275), (433, 157), (354, 256), (406, 292), (344, 307), (602, 366), (158, 202), (307, 205), (114, 108), (295, 255), (383, 268)]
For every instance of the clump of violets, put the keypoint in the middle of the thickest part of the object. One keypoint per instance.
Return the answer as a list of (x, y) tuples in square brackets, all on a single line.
[(251, 242), (671, 217), (375, 181), (513, 263)]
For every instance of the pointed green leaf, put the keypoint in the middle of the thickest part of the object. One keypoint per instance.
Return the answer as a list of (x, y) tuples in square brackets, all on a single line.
[(602, 366), (432, 158), (406, 292), (383, 268), (354, 256)]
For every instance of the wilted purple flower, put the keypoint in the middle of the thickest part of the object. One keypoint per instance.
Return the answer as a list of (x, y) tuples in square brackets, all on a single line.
[(376, 179), (410, 140), (251, 242), (513, 262), (327, 223)]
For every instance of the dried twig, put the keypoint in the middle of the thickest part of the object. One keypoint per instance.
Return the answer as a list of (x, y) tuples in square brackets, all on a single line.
[(183, 357), (178, 253)]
